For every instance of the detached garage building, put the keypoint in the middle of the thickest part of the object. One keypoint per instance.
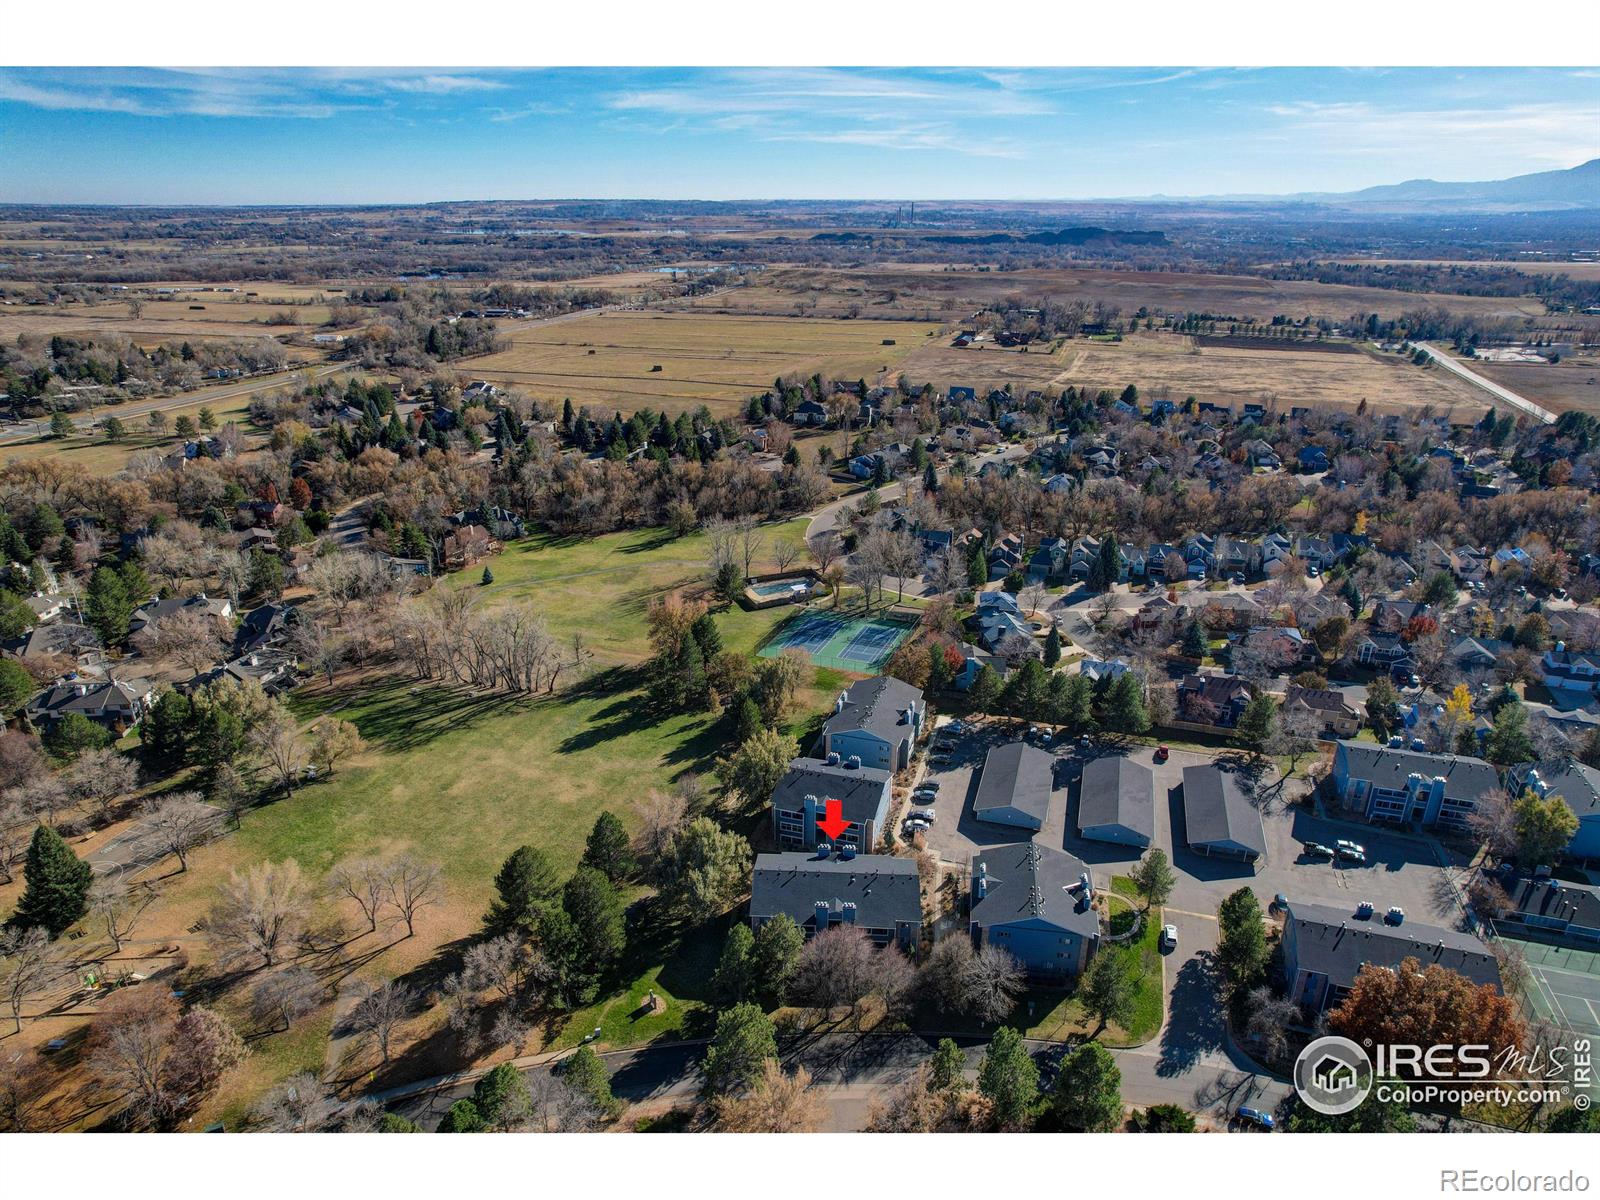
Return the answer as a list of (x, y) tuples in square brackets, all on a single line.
[(1117, 803), (1014, 788), (1218, 818)]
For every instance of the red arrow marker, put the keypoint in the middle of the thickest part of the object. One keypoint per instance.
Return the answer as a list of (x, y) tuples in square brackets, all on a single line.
[(832, 824)]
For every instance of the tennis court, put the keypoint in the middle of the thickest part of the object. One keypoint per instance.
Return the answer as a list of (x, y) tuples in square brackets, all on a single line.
[(860, 644), (1563, 985)]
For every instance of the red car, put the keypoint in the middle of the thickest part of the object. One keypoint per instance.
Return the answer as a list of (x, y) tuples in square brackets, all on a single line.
[(1161, 753)]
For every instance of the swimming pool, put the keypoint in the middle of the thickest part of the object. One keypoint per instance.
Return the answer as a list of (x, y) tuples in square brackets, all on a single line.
[(781, 587)]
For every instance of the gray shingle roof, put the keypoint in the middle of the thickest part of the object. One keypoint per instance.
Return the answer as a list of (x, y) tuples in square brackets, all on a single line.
[(1464, 777), (1015, 775), (875, 705), (1215, 809), (1577, 784), (1334, 942), (1117, 791), (1569, 902), (859, 791), (884, 889), (1025, 881)]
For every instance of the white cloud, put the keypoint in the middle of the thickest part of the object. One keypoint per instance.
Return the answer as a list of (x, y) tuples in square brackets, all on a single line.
[(1557, 134)]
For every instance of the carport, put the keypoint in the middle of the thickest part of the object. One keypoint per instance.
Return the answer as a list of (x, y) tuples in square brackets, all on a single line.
[(1219, 820), (1014, 788)]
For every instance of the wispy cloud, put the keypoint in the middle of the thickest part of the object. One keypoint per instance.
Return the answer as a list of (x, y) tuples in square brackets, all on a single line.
[(315, 93), (444, 85), (1560, 134)]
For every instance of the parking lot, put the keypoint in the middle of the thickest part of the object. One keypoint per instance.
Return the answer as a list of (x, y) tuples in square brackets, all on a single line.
[(1399, 870)]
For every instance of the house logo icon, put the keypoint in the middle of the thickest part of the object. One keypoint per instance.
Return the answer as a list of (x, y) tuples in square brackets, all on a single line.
[(1333, 1075)]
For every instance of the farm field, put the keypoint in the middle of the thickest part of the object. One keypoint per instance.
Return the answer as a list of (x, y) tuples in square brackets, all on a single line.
[(605, 360), (165, 319), (941, 293), (1222, 374), (1572, 384)]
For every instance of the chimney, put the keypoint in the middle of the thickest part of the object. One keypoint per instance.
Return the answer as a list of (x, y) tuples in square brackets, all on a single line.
[(853, 763), (980, 885), (822, 912), (838, 706), (848, 911)]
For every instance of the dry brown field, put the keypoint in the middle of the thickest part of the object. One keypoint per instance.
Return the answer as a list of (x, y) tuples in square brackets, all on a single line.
[(918, 290), (1232, 375), (1573, 383), (605, 360)]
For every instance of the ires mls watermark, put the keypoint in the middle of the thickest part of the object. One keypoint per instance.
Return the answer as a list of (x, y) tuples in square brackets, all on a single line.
[(1333, 1074)]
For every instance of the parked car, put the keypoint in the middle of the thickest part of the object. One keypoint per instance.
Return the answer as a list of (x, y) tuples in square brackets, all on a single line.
[(1347, 844), (914, 826), (1256, 1118), (1317, 850), (924, 797), (1351, 856), (1162, 753), (925, 815), (928, 785), (1169, 937)]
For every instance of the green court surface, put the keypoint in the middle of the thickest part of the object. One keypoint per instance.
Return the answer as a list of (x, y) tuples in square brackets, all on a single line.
[(859, 644), (1563, 985)]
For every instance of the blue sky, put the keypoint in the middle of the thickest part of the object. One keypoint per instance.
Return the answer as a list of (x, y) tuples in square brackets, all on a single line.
[(378, 135)]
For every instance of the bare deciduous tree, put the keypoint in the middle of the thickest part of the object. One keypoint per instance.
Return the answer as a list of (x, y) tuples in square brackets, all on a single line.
[(364, 880), (285, 996), (380, 1011), (276, 737), (258, 913), (178, 825), (661, 815), (302, 1103), (101, 777), (119, 905), (1270, 1018), (317, 644), (498, 965), (412, 885), (1494, 821), (824, 548), (189, 638), (32, 963)]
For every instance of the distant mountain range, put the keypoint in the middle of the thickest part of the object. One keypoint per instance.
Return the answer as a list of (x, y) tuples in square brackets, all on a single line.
[(1575, 187)]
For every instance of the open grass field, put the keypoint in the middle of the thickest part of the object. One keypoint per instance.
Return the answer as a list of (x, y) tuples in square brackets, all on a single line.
[(1234, 375), (605, 360)]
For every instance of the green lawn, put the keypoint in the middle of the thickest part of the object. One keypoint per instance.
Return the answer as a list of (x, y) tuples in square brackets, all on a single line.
[(602, 587), (1056, 1014)]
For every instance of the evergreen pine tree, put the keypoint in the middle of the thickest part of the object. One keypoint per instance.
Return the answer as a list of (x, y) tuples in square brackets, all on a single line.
[(57, 885), (1052, 647)]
